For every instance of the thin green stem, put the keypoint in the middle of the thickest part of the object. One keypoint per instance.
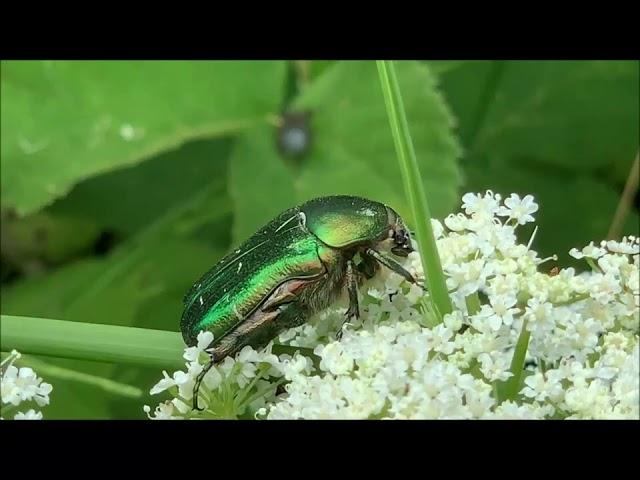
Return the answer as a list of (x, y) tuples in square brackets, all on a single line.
[(414, 187), (49, 372), (102, 343), (510, 388), (89, 341), (473, 303), (626, 200)]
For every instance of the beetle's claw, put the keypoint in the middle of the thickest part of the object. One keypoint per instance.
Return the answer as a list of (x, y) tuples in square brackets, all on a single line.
[(350, 315), (195, 405)]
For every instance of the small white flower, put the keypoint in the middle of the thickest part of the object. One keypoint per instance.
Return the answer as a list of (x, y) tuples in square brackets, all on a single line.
[(590, 251), (625, 247), (164, 411), (164, 384), (477, 203), (20, 385), (541, 386), (519, 210), (456, 223), (30, 415), (496, 367), (604, 288), (438, 229), (539, 316)]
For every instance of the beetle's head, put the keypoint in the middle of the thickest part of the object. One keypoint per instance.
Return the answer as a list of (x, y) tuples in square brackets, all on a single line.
[(399, 236)]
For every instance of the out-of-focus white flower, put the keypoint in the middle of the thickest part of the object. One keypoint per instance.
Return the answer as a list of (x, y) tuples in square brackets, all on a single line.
[(31, 414), (164, 411), (628, 246)]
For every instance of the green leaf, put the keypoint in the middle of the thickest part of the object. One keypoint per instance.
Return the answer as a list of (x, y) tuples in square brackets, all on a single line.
[(258, 197), (63, 122), (164, 271), (578, 115), (352, 149), (319, 67), (141, 283), (43, 239), (469, 87), (130, 198)]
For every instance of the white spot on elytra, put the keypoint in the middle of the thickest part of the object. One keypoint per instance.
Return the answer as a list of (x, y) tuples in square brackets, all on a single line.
[(368, 212), (201, 301), (239, 267), (282, 226)]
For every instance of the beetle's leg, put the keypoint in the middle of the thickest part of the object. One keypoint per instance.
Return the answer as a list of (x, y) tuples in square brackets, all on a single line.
[(199, 378), (352, 287), (367, 266), (394, 266), (288, 292), (260, 327)]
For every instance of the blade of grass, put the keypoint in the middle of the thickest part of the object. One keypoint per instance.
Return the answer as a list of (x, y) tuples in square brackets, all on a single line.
[(626, 200), (102, 343), (89, 341), (414, 187), (509, 389)]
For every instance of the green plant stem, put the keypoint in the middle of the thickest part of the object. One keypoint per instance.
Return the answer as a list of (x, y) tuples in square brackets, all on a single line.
[(509, 389), (414, 187), (626, 200), (473, 303), (102, 343), (89, 341)]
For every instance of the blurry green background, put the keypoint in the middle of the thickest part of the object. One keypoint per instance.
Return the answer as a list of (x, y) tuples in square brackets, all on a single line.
[(122, 182)]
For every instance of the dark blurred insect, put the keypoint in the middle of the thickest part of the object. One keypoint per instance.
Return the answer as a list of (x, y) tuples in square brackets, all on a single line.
[(296, 265), (294, 134)]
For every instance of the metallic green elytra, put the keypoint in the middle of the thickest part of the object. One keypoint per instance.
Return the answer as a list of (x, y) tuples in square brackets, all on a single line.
[(296, 265)]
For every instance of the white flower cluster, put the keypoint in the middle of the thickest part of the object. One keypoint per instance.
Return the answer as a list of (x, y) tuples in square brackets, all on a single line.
[(20, 385), (520, 344), (228, 390)]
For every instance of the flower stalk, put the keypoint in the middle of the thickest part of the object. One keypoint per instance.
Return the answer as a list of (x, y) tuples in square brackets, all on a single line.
[(413, 187)]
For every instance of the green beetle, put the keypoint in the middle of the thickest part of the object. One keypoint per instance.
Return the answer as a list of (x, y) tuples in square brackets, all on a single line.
[(296, 265)]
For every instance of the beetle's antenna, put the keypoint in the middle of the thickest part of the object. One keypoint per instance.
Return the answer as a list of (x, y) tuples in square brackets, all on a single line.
[(199, 378), (392, 265)]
